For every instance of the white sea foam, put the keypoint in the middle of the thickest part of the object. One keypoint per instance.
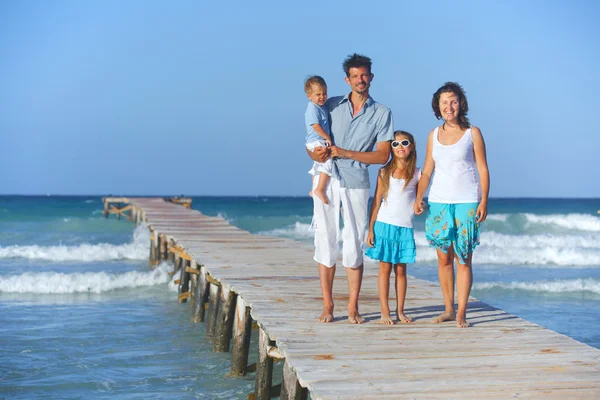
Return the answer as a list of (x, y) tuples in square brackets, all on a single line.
[(90, 282), (136, 250), (579, 222), (558, 286)]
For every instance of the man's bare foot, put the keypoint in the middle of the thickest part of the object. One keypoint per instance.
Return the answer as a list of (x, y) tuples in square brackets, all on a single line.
[(403, 318), (325, 317), (355, 318), (320, 193), (443, 317), (461, 322), (386, 320)]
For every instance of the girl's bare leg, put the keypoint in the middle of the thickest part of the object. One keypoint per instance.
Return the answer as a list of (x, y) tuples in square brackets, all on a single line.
[(320, 189), (446, 276), (401, 283), (383, 284), (464, 281)]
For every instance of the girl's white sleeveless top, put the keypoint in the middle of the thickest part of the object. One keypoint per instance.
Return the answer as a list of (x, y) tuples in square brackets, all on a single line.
[(397, 208), (455, 176)]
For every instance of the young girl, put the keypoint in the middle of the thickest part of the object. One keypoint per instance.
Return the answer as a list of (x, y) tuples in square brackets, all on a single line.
[(391, 238)]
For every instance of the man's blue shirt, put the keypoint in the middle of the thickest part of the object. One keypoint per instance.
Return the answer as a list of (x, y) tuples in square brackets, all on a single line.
[(372, 124)]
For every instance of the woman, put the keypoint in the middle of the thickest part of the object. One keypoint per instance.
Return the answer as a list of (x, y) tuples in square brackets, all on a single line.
[(457, 199)]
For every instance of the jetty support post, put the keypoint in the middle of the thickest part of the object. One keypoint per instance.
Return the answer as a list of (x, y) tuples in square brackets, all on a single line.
[(162, 253), (184, 279), (224, 321), (214, 292), (242, 332), (153, 248), (200, 295), (290, 387), (264, 367)]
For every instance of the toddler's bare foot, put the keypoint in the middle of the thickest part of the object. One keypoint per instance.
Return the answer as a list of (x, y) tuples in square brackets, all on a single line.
[(443, 317), (310, 193), (403, 318), (321, 195)]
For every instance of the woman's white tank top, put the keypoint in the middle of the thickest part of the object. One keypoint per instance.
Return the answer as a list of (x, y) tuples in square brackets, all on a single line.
[(397, 208), (455, 176)]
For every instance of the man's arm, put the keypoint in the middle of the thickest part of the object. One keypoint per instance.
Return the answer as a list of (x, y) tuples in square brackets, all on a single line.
[(319, 154), (380, 155)]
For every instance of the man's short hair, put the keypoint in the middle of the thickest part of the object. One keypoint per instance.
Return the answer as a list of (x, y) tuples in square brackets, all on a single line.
[(313, 80), (356, 61)]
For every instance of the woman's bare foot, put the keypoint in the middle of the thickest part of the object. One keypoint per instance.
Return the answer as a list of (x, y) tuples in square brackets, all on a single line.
[(443, 317), (386, 320), (403, 318), (355, 318), (320, 193)]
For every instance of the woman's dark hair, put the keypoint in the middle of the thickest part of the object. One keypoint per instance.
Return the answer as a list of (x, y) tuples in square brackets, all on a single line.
[(463, 105)]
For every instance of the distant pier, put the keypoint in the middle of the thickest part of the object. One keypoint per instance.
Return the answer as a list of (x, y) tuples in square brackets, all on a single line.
[(231, 279)]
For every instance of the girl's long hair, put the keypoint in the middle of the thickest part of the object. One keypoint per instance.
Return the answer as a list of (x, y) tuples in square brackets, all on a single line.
[(409, 169)]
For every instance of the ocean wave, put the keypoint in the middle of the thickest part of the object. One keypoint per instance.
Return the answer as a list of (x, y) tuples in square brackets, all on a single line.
[(298, 231), (579, 222), (136, 250), (90, 282), (559, 286)]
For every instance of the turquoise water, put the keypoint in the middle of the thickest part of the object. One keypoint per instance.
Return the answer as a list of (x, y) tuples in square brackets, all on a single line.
[(83, 315)]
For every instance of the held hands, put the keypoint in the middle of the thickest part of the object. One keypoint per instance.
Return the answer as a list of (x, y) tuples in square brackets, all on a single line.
[(419, 207), (371, 239)]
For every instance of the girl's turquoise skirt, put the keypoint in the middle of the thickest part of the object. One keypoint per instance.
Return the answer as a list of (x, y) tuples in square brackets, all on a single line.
[(393, 244)]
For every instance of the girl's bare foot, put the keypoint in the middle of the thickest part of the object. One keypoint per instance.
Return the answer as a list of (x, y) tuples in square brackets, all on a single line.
[(403, 318), (443, 317), (386, 320), (355, 318), (320, 193), (461, 321)]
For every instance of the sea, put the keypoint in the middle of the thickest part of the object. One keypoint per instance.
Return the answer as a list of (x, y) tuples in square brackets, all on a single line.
[(83, 315)]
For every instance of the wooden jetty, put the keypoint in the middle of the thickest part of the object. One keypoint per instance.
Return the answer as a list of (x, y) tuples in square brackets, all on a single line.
[(232, 277)]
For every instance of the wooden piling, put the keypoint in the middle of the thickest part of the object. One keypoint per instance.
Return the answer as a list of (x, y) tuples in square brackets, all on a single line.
[(162, 253), (264, 367), (213, 304), (290, 388), (224, 321), (242, 331), (184, 279), (153, 253), (200, 296)]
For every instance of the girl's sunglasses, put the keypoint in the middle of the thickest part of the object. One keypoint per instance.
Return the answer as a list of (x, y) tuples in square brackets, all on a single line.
[(404, 143)]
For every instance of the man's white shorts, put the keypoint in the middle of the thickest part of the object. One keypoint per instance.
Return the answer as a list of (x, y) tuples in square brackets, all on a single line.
[(326, 222)]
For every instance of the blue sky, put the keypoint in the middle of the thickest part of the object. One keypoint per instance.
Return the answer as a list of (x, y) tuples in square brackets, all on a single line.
[(205, 98)]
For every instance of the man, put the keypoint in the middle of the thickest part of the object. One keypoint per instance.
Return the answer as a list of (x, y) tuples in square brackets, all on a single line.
[(361, 131)]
